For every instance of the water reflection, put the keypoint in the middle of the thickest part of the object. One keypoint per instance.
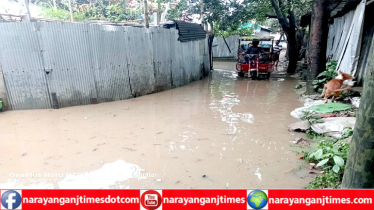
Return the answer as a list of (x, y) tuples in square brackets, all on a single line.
[(224, 98)]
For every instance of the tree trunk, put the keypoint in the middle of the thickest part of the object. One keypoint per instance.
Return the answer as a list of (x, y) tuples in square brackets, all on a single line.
[(293, 53), (202, 12), (24, 5), (146, 23), (318, 40), (359, 171), (292, 49), (54, 5)]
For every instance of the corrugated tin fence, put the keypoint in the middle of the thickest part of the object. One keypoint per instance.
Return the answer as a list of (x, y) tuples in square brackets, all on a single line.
[(83, 63), (221, 50)]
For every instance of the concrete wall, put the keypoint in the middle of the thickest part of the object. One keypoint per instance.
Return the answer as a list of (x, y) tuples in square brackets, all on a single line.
[(82, 63)]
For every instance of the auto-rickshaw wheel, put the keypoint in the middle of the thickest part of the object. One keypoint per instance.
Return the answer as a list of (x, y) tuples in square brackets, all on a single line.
[(241, 74), (254, 76), (268, 76)]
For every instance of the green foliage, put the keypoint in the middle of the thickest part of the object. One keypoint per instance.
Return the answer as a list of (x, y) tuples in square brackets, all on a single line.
[(328, 180), (117, 12), (325, 76), (298, 86), (331, 155), (59, 14), (230, 15), (177, 12), (311, 117), (230, 31)]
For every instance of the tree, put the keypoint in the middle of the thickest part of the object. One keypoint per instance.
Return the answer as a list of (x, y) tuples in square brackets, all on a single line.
[(285, 13), (318, 41), (230, 15), (359, 171), (228, 32)]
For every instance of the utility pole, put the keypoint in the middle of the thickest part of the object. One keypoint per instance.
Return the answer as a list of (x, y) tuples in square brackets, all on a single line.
[(146, 23), (71, 12)]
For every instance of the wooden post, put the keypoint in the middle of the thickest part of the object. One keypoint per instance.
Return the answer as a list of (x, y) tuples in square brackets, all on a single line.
[(146, 23), (71, 12)]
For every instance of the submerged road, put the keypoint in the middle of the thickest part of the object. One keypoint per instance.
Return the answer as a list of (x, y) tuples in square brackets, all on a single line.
[(220, 132)]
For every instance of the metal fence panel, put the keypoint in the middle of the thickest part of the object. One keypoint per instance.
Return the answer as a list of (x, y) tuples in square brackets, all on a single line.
[(81, 63), (110, 63), (161, 58), (221, 50), (22, 67), (69, 62)]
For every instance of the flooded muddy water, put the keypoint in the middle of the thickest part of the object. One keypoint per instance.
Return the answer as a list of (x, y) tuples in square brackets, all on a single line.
[(220, 132)]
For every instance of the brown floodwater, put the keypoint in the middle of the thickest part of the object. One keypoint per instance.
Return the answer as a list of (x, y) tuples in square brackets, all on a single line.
[(220, 132)]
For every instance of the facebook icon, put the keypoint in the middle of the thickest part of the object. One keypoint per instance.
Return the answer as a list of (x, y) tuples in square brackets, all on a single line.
[(11, 199)]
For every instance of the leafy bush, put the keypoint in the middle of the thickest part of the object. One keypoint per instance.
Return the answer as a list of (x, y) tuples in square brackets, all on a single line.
[(331, 155), (311, 117), (234, 30), (325, 76), (298, 86), (61, 14), (111, 13)]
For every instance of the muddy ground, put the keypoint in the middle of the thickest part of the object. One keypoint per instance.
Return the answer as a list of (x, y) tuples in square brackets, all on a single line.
[(220, 132)]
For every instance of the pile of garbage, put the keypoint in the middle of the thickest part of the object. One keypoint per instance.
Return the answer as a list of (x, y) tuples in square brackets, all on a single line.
[(331, 119)]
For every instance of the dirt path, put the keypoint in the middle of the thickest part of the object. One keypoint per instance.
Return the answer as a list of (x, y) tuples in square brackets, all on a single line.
[(221, 132)]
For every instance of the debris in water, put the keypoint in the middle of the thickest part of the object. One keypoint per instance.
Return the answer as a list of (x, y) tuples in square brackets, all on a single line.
[(299, 126), (312, 166), (158, 180), (300, 141), (204, 176), (94, 149), (297, 140), (301, 157), (85, 118), (312, 172), (257, 173), (24, 154)]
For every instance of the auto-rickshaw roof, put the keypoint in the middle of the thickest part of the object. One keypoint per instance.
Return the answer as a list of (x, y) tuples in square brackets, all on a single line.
[(256, 38)]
